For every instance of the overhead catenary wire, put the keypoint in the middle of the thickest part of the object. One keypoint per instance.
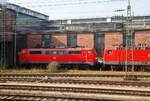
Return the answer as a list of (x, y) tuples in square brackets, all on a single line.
[(65, 7), (57, 4)]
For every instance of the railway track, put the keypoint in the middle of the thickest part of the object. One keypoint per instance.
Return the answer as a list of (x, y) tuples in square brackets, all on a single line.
[(70, 75), (14, 97), (112, 91), (72, 81)]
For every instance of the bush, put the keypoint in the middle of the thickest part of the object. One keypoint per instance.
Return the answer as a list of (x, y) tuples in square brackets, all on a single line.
[(53, 67)]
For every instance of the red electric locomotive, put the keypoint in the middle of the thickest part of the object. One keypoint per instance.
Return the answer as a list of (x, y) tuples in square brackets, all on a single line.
[(62, 56), (117, 56)]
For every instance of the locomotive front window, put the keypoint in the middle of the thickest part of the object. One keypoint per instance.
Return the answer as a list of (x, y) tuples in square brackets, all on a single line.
[(109, 52), (35, 52)]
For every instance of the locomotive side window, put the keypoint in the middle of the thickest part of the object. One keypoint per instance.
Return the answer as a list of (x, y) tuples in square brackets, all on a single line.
[(49, 52), (65, 52), (89, 52), (60, 52), (74, 52), (109, 52), (54, 52), (35, 52)]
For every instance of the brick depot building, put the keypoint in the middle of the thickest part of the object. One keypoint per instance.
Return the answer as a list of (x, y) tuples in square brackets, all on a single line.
[(15, 19), (35, 31), (89, 35)]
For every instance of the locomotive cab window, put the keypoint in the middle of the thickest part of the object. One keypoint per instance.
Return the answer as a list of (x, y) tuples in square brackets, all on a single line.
[(109, 52), (89, 52), (35, 52), (23, 52)]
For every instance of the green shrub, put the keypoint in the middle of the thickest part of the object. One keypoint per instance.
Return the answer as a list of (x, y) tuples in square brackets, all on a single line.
[(53, 67)]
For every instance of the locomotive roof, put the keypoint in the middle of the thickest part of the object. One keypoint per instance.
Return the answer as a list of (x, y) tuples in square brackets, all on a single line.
[(120, 48), (59, 49)]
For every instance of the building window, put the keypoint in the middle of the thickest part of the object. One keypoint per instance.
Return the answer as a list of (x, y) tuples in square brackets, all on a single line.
[(46, 41), (99, 43), (124, 38), (71, 40)]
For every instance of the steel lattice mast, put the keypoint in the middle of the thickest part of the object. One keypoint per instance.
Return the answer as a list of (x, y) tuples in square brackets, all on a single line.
[(129, 41)]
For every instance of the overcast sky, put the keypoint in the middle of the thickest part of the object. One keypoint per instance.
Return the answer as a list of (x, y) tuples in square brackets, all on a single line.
[(70, 9)]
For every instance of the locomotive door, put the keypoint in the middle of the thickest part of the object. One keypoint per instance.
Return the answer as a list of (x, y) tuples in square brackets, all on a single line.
[(26, 55), (84, 56), (119, 55), (121, 60)]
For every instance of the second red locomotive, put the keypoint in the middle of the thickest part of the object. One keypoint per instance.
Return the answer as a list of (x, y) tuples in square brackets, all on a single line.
[(117, 56)]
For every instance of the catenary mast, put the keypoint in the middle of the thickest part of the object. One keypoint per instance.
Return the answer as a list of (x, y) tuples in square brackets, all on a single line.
[(129, 42)]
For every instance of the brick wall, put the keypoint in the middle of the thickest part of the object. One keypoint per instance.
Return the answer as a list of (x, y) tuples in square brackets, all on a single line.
[(85, 39), (113, 39), (59, 39), (9, 37), (34, 41), (142, 37), (9, 24)]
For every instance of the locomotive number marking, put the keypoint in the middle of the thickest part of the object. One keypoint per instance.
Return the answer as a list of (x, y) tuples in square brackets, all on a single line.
[(54, 57)]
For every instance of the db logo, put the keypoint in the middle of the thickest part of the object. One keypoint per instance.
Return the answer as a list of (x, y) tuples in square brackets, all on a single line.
[(149, 55)]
